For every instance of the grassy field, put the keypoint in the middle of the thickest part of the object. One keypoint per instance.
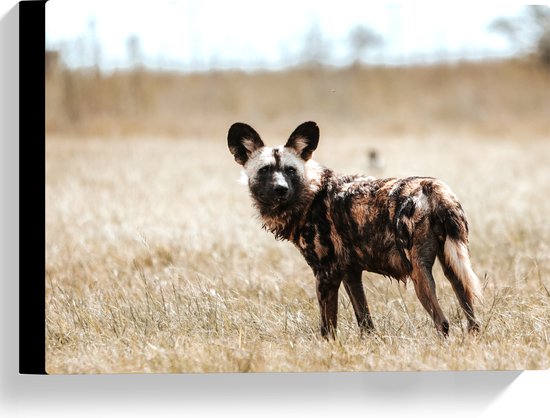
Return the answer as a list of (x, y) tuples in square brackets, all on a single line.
[(155, 261)]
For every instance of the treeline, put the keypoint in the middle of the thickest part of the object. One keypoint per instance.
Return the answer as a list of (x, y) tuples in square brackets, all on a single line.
[(503, 98)]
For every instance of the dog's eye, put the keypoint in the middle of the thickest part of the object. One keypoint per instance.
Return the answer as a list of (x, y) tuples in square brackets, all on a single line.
[(290, 170), (264, 169)]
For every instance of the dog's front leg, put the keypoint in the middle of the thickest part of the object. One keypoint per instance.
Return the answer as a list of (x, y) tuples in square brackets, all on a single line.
[(327, 295), (354, 288)]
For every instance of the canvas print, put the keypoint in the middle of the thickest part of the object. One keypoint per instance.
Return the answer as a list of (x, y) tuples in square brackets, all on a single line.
[(296, 187)]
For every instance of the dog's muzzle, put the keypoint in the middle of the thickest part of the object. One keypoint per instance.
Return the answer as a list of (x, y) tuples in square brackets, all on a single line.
[(281, 192)]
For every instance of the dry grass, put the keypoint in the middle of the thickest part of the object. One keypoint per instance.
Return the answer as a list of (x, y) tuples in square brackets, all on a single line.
[(155, 262)]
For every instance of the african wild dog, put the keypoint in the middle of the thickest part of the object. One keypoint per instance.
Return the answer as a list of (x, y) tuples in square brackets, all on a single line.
[(344, 224)]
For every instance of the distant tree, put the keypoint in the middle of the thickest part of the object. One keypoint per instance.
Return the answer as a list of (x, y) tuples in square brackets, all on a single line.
[(361, 40), (137, 96), (53, 61), (316, 47), (133, 48), (94, 45), (543, 48), (529, 32)]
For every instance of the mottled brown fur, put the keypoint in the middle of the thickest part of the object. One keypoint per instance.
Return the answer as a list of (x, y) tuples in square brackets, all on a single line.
[(345, 224)]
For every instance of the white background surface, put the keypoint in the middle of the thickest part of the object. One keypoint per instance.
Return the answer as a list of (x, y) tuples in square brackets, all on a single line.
[(487, 394)]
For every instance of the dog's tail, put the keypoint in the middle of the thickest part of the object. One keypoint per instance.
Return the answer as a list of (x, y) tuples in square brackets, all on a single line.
[(456, 255), (457, 258)]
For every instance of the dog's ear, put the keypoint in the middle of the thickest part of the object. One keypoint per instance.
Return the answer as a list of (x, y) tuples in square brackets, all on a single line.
[(243, 140), (304, 139)]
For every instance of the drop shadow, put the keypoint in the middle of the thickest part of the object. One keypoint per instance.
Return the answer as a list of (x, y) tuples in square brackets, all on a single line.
[(465, 391)]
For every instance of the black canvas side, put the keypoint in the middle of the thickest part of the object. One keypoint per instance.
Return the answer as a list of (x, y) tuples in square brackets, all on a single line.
[(32, 333)]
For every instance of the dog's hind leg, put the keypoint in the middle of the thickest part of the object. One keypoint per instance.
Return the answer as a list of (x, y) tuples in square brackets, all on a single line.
[(327, 295), (424, 287), (354, 288), (422, 255), (454, 257)]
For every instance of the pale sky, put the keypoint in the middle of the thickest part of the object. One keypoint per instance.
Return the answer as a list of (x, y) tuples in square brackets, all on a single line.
[(251, 34)]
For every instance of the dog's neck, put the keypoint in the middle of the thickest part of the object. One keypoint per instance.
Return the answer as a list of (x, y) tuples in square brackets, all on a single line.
[(285, 225)]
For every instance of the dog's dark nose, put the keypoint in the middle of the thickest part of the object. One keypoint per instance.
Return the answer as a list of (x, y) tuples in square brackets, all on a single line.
[(280, 190)]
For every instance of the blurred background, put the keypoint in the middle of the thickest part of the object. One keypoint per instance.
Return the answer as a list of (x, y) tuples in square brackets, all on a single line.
[(191, 68)]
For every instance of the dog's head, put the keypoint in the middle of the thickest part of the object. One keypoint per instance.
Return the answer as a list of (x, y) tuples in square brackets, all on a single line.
[(276, 176)]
